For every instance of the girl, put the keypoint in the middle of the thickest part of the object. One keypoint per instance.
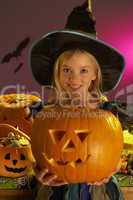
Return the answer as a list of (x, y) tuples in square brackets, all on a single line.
[(73, 62)]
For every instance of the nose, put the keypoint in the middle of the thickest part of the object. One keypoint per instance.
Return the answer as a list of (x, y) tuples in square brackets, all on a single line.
[(14, 162), (75, 78)]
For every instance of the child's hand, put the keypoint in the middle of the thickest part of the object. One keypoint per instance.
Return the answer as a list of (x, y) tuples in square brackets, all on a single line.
[(47, 178), (105, 180)]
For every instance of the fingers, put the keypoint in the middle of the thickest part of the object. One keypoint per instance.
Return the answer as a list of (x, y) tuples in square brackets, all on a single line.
[(56, 182), (49, 179), (106, 180), (45, 177), (98, 183)]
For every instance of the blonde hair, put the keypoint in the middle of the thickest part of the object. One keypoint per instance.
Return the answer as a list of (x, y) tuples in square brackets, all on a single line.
[(96, 85)]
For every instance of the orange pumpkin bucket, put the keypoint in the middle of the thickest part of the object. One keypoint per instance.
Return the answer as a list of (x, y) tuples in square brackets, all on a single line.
[(14, 110), (15, 152)]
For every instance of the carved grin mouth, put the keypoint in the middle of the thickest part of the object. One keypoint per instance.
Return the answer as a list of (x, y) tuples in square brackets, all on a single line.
[(74, 164), (77, 162), (15, 170)]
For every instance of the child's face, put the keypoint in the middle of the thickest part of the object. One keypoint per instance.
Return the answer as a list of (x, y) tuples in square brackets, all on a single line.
[(77, 73)]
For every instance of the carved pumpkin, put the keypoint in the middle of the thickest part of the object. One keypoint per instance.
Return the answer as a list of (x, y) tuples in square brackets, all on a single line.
[(76, 144), (15, 160), (14, 110)]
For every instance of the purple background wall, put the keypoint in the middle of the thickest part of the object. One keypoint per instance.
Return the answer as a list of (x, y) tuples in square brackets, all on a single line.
[(20, 19)]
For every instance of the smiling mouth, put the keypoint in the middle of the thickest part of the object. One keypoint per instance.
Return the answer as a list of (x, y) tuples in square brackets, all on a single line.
[(15, 170), (75, 88)]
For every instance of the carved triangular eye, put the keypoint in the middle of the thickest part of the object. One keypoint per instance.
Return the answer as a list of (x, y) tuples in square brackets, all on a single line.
[(57, 135), (82, 135), (7, 156), (22, 157)]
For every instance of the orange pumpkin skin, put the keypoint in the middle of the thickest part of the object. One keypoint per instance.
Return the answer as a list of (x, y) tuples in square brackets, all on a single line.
[(15, 161), (85, 147), (14, 110)]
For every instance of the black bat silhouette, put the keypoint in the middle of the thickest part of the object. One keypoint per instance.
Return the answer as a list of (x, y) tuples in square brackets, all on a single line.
[(18, 67), (17, 52)]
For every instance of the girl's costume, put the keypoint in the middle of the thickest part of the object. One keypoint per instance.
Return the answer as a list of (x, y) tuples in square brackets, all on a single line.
[(43, 54), (109, 191)]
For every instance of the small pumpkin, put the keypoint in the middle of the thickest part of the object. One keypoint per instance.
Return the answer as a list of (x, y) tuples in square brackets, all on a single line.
[(76, 144), (14, 110), (16, 157)]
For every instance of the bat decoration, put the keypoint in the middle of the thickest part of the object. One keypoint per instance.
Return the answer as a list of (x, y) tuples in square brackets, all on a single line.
[(18, 67), (17, 52)]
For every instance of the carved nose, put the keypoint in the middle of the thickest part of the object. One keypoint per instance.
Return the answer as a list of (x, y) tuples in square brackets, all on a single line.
[(14, 162), (70, 145)]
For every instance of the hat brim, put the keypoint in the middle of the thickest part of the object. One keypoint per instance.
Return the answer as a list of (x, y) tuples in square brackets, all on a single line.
[(45, 51)]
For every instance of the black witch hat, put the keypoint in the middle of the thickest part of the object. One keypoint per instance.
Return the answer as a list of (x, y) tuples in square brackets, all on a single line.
[(46, 50)]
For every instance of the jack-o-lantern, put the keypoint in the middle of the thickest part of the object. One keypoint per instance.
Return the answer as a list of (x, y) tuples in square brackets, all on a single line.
[(76, 144), (16, 157), (14, 110)]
